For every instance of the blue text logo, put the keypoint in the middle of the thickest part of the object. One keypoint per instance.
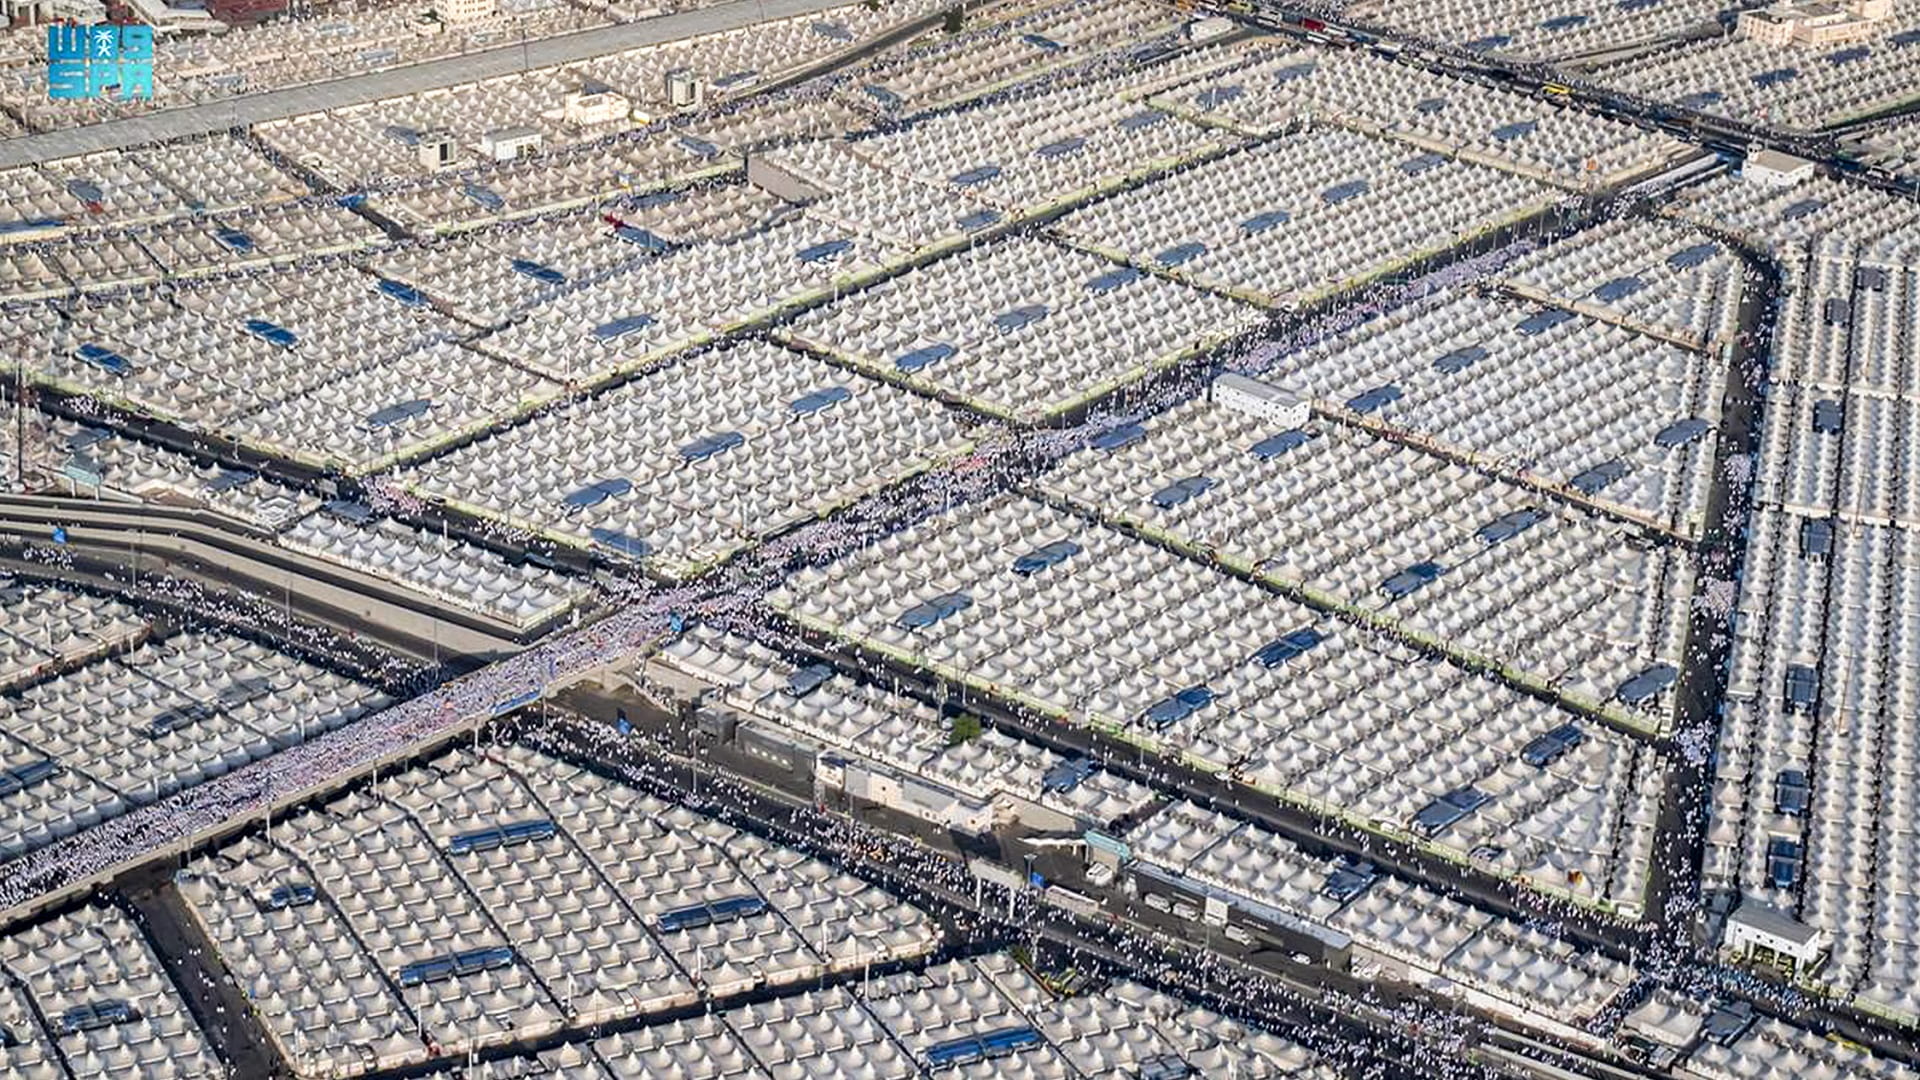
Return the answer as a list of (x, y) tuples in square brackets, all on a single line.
[(90, 62)]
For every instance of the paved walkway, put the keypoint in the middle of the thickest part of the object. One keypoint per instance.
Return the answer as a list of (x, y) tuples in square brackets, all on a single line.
[(412, 79)]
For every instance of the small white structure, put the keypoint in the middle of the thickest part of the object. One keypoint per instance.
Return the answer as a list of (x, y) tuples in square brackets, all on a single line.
[(436, 150), (1775, 169), (463, 11), (167, 19), (684, 90), (506, 144), (1209, 29), (1760, 934), (1264, 400), (909, 795), (595, 105)]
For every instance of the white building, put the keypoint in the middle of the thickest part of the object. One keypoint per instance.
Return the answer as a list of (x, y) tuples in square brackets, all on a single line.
[(464, 11), (1264, 400), (1759, 934), (506, 144), (1775, 169), (684, 90), (1813, 22), (166, 19), (594, 106), (906, 794), (1210, 28)]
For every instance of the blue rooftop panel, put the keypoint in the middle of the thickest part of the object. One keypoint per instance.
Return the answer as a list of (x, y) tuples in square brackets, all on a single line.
[(1412, 579), (86, 191), (1550, 747), (1145, 118), (1904, 38), (233, 238), (1115, 438), (1110, 280), (923, 356), (1420, 163), (398, 413), (1509, 525), (1044, 556), (1648, 684), (271, 333), (29, 225), (1181, 491), (1459, 360), (832, 31), (1693, 257), (1702, 99), (644, 239), (1618, 289), (979, 174), (1802, 209), (824, 250), (1180, 253), (621, 327), (1264, 221), (1339, 193), (1561, 23), (597, 492), (1290, 647), (700, 146), (1274, 445), (545, 275), (21, 777), (921, 616), (1597, 479), (499, 836), (707, 446), (806, 680), (1517, 129), (1041, 41), (1018, 318), (406, 294), (821, 399), (456, 965), (630, 546), (886, 98), (1776, 77), (1061, 148), (1637, 5), (1490, 42), (978, 219), (105, 359), (1681, 432), (1369, 401), (1428, 106), (1544, 320), (1295, 71), (1171, 710), (1849, 55), (487, 197)]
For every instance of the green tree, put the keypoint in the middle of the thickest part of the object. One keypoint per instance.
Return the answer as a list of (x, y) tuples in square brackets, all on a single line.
[(965, 728)]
